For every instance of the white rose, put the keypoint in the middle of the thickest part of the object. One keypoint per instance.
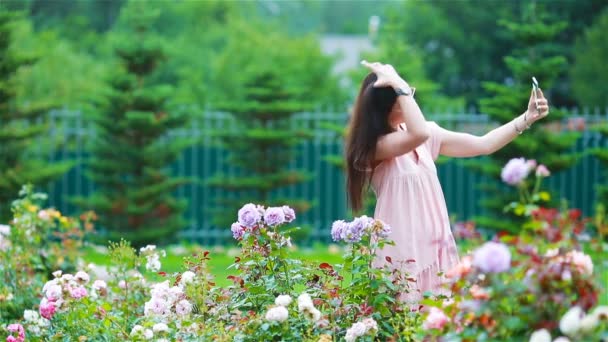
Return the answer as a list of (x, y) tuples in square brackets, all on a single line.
[(82, 277), (99, 284), (160, 327), (588, 323), (571, 321), (183, 307), (187, 277), (278, 314), (562, 339), (148, 248), (153, 263), (541, 335), (601, 312), (137, 330), (304, 302), (30, 315), (148, 334), (5, 230), (370, 324), (54, 292), (283, 300)]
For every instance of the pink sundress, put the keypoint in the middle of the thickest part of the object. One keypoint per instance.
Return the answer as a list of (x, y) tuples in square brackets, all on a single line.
[(411, 201)]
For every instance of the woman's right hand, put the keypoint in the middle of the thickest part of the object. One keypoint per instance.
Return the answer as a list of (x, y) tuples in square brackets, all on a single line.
[(387, 76)]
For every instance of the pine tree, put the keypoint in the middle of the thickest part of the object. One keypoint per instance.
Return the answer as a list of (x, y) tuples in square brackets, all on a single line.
[(269, 88), (262, 145), (22, 127), (133, 147), (535, 56)]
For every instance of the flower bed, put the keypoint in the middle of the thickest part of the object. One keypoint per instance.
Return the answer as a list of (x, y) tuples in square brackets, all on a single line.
[(533, 285)]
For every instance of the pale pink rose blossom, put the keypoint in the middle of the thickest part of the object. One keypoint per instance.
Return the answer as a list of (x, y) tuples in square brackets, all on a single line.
[(44, 215), (435, 320), (99, 284), (462, 268), (515, 171), (78, 292), (183, 307), (82, 277), (582, 261), (542, 171), (54, 292), (492, 257)]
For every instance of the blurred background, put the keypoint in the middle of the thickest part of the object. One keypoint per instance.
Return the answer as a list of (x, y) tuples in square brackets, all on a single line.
[(165, 117)]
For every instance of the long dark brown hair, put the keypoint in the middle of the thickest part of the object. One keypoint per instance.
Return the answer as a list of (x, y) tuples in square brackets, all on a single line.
[(369, 121)]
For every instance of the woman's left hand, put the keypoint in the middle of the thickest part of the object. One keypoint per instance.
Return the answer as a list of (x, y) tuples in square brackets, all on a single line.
[(538, 107)]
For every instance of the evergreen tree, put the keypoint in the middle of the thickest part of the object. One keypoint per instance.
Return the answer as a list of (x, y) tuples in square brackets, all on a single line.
[(133, 146), (22, 127), (534, 56), (269, 88), (590, 70)]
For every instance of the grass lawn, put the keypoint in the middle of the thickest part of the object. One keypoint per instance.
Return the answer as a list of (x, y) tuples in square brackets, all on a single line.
[(223, 257)]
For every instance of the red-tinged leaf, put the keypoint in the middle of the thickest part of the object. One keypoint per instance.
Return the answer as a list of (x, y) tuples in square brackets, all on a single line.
[(325, 266), (411, 279), (162, 274), (389, 259), (205, 254), (237, 259), (211, 283), (409, 261)]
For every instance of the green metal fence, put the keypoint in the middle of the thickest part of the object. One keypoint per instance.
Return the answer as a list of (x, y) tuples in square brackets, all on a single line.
[(326, 189)]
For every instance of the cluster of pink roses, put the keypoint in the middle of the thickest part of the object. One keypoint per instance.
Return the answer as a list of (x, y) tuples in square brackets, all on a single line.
[(64, 288)]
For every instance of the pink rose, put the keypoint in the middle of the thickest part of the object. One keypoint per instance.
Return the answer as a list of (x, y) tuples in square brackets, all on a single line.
[(435, 320), (462, 269), (16, 328), (78, 292), (47, 309), (542, 171), (515, 171), (492, 257), (479, 292)]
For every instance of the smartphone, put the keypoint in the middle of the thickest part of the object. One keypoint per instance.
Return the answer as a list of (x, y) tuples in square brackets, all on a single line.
[(535, 91)]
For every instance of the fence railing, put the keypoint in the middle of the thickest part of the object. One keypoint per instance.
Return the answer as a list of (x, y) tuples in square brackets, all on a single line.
[(326, 189)]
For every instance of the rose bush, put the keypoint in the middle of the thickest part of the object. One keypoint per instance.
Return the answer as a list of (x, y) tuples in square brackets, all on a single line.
[(535, 285), (35, 243), (272, 297)]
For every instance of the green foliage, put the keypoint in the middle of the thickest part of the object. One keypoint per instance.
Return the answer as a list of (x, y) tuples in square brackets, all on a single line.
[(534, 56), (590, 69), (134, 142), (262, 90), (23, 125), (394, 47)]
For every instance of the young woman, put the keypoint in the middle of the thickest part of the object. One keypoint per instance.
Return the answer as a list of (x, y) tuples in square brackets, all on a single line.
[(391, 146)]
